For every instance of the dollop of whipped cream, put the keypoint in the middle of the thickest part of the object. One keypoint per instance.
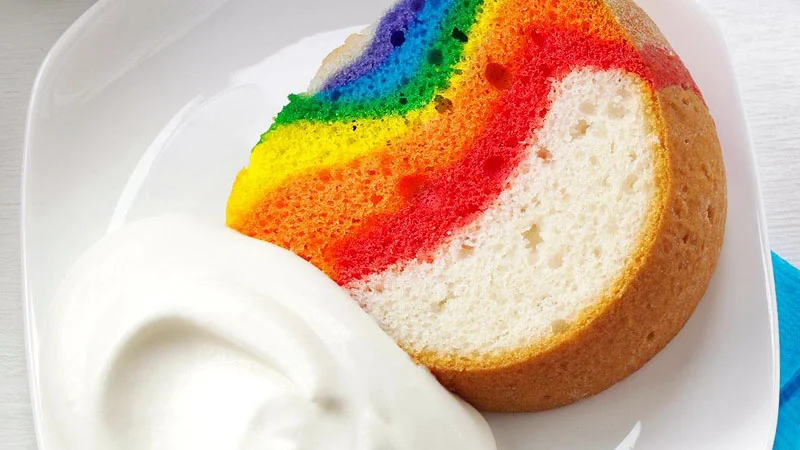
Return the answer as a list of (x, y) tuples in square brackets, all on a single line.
[(172, 334)]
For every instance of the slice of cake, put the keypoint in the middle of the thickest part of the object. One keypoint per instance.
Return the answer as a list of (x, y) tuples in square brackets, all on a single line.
[(527, 195)]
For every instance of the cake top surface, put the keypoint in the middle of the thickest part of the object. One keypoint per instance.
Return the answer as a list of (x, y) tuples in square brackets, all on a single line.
[(417, 135)]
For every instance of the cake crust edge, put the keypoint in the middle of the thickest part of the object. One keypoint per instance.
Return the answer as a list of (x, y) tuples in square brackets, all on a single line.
[(656, 293)]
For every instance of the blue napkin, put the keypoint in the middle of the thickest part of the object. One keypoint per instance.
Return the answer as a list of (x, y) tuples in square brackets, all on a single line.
[(787, 286)]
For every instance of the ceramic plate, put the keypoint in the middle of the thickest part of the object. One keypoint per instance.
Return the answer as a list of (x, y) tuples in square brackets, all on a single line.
[(148, 107)]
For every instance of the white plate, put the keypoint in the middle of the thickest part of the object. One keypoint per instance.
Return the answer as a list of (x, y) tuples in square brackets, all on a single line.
[(145, 107)]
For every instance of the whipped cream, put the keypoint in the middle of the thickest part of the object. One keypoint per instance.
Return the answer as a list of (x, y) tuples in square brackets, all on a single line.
[(171, 334)]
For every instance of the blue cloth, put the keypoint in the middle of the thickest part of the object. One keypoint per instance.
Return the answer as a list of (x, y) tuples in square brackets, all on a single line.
[(787, 287)]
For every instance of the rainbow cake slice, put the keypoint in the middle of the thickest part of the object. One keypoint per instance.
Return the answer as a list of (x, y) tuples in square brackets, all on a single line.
[(527, 195)]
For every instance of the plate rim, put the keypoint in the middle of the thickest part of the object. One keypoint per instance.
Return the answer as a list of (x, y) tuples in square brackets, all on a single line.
[(57, 51), (761, 219), (84, 22)]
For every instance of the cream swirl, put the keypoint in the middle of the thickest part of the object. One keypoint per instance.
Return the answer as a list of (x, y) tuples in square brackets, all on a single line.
[(170, 334)]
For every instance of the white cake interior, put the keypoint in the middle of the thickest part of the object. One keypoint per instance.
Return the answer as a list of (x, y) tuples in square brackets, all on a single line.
[(552, 244)]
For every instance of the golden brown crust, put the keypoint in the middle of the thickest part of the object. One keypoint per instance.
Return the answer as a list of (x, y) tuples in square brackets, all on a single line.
[(656, 293), (340, 56), (636, 23), (655, 297)]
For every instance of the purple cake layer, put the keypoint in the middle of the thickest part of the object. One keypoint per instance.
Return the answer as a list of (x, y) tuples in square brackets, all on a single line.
[(388, 36)]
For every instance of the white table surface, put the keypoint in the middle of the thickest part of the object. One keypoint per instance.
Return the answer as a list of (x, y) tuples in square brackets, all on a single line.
[(764, 37)]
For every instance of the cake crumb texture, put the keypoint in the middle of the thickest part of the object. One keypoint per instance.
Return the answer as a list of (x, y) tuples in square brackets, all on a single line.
[(527, 195)]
